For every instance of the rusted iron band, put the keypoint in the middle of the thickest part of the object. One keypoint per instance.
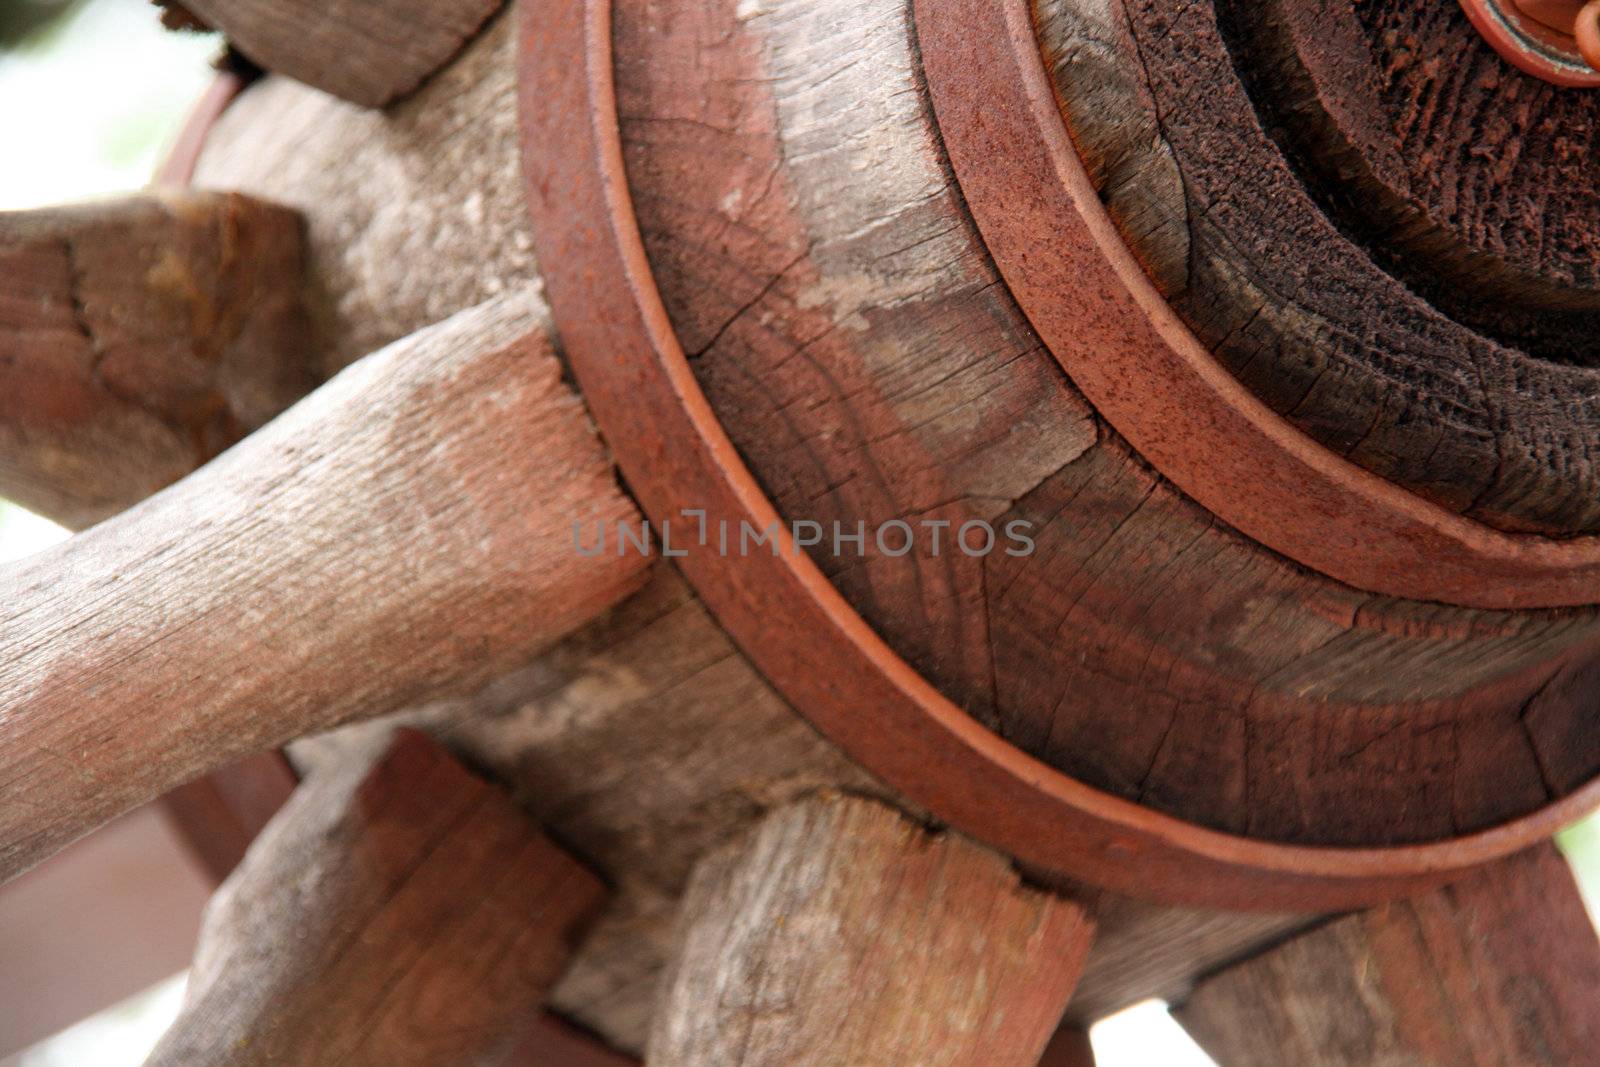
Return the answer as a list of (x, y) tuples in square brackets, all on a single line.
[(1532, 45), (183, 155), (782, 610), (1151, 378)]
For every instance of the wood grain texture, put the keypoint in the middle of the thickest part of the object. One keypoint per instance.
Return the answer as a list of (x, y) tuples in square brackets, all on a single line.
[(411, 214), (806, 330), (647, 737), (842, 933), (139, 337), (1465, 178), (370, 52), (406, 530), (643, 741), (1297, 310), (1499, 970), (402, 914)]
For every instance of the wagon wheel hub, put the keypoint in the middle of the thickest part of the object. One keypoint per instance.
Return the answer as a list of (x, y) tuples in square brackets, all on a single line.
[(1557, 40)]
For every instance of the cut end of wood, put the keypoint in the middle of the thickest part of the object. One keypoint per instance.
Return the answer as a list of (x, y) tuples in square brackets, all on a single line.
[(429, 917), (840, 932), (139, 337), (369, 52)]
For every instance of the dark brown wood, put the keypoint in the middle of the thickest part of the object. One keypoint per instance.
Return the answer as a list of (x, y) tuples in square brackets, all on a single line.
[(840, 933), (1458, 175), (1501, 969), (139, 337), (1147, 374), (370, 52), (1068, 1048), (406, 530), (406, 913), (1302, 314), (553, 1042), (220, 814)]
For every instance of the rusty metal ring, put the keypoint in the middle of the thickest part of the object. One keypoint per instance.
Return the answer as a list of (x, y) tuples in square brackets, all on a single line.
[(1531, 46), (1586, 31), (674, 453), (1148, 375)]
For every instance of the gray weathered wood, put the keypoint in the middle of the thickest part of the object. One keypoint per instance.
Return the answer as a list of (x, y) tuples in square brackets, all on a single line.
[(369, 52), (139, 337), (405, 530), (840, 933)]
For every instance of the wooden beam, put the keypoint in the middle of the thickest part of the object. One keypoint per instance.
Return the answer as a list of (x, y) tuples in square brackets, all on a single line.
[(404, 531), (218, 816), (139, 337), (1145, 951), (841, 933), (370, 52), (1499, 970), (407, 914)]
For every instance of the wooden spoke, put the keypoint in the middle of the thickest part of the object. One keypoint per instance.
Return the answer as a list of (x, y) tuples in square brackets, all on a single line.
[(405, 530), (841, 933), (1502, 968), (408, 915), (370, 52), (139, 337)]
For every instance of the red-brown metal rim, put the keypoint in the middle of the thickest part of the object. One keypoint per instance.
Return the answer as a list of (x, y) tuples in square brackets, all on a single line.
[(1529, 46), (1151, 378), (183, 155), (784, 613)]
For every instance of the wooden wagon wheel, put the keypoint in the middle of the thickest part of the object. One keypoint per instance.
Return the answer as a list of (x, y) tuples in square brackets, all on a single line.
[(1256, 343)]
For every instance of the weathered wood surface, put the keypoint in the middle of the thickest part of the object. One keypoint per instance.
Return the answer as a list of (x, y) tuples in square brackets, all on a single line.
[(411, 214), (1144, 951), (1144, 648), (853, 339), (139, 337), (406, 914), (1302, 313), (842, 933), (1251, 678), (1468, 179), (1499, 970), (406, 530), (642, 742), (370, 52)]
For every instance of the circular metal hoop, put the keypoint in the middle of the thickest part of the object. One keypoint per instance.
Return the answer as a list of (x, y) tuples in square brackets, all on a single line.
[(1531, 46), (1151, 378), (786, 615)]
